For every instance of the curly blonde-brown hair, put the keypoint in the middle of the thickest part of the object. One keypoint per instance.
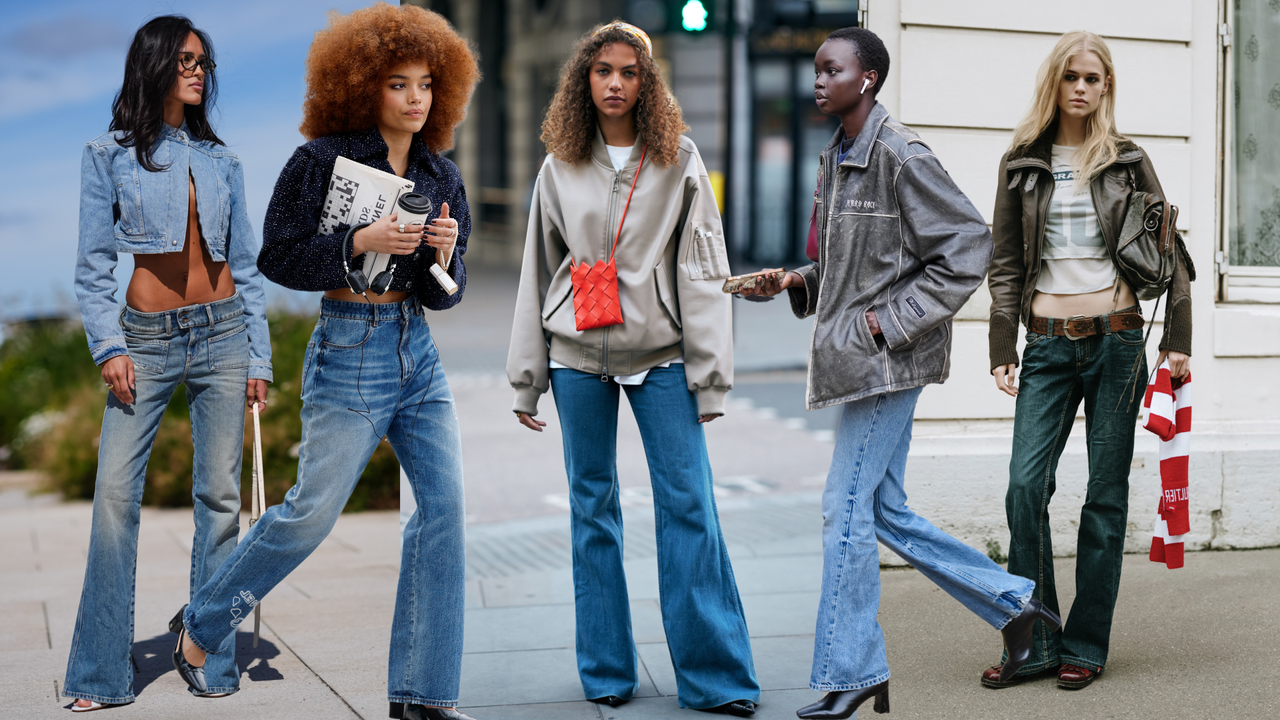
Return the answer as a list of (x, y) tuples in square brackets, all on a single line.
[(570, 126), (352, 56)]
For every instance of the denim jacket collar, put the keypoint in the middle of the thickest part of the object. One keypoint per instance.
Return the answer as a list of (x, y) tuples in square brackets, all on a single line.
[(181, 132), (860, 154)]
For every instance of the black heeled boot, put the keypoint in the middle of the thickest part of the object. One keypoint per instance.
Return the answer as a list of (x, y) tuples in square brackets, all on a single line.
[(841, 704), (408, 711), (1018, 637)]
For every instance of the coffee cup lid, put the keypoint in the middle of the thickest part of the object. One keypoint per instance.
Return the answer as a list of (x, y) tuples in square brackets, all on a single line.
[(415, 203)]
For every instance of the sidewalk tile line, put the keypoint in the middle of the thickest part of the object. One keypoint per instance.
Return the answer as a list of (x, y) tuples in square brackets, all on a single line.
[(312, 671), (48, 637)]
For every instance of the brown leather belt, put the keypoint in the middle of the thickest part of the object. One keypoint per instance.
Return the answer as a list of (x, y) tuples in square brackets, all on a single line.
[(1079, 326)]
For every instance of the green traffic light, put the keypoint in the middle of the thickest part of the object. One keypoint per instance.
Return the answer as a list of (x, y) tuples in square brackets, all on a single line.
[(693, 16)]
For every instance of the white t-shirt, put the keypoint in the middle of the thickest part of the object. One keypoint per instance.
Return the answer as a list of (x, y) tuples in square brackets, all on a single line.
[(1074, 259), (619, 155)]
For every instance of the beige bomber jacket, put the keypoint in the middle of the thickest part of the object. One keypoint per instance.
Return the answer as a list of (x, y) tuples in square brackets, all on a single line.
[(671, 263)]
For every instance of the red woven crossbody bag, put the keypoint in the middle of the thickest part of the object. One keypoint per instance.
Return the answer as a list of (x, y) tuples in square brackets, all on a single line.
[(595, 287)]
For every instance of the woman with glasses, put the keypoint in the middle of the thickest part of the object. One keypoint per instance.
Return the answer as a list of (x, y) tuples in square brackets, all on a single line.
[(162, 186)]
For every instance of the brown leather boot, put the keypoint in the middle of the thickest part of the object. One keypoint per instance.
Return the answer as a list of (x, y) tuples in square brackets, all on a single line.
[(1074, 677)]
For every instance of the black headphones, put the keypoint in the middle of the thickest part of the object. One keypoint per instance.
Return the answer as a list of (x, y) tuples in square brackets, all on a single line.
[(356, 280)]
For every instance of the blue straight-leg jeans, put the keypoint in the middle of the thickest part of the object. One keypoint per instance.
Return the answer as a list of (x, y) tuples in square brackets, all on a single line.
[(205, 348), (370, 371), (865, 500), (701, 612)]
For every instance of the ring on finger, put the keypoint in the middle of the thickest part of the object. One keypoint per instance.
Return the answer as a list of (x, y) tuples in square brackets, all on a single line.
[(109, 386), (401, 227)]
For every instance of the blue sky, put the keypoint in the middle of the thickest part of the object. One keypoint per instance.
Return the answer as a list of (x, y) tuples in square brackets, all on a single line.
[(61, 64)]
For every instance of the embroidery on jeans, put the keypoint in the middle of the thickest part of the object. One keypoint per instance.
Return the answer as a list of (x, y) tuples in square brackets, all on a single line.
[(237, 615), (915, 306)]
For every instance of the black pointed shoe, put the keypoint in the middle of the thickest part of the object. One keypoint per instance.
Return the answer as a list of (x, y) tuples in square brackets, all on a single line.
[(610, 700), (843, 703), (408, 711), (1018, 637), (738, 708), (190, 674)]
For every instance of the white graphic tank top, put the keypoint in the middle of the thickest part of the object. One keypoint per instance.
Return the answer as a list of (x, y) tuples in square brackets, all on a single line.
[(1074, 258)]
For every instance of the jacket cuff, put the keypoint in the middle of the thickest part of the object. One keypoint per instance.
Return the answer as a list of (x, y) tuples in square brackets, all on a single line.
[(1177, 328), (526, 399), (108, 349), (1003, 337), (711, 400), (804, 300), (260, 371)]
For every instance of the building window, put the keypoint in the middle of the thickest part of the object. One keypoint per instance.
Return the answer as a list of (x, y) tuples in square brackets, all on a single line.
[(1253, 242)]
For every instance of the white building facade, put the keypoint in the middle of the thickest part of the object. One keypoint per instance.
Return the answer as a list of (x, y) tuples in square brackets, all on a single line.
[(1198, 87)]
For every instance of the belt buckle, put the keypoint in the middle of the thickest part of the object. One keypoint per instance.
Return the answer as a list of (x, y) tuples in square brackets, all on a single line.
[(1066, 328)]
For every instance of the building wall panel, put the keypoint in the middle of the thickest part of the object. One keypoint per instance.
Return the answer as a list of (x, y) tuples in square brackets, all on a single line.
[(1144, 19), (983, 79)]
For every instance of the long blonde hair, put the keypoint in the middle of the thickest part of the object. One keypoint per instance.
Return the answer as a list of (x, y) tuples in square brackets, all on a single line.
[(1100, 135)]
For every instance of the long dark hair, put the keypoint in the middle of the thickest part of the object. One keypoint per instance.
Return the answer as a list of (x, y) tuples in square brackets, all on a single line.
[(150, 70)]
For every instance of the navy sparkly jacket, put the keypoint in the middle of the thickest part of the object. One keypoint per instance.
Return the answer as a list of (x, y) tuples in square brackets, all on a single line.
[(294, 256)]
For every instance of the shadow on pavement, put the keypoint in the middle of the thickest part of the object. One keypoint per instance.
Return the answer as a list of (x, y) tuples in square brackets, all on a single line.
[(154, 657)]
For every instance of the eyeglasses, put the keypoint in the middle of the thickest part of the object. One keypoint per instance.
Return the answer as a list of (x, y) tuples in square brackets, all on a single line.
[(190, 62)]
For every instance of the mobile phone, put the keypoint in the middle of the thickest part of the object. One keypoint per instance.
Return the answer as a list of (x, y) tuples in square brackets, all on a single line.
[(738, 283)]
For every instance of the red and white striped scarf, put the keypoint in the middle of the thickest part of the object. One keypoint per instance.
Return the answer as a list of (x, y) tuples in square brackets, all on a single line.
[(1168, 403)]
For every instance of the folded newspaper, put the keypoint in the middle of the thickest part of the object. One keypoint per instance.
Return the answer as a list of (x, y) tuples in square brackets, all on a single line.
[(359, 194)]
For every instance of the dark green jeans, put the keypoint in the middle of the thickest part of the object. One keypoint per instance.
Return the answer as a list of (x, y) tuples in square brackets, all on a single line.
[(1057, 373)]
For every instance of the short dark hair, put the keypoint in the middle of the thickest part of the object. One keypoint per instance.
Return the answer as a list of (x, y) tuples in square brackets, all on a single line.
[(870, 50)]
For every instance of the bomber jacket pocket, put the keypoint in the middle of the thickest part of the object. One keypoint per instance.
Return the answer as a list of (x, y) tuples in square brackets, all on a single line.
[(709, 256), (665, 297), (553, 303)]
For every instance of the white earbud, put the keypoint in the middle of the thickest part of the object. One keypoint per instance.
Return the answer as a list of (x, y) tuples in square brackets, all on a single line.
[(865, 83)]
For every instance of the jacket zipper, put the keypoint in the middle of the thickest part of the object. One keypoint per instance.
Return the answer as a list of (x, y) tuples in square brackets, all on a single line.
[(1044, 219), (829, 192), (613, 208)]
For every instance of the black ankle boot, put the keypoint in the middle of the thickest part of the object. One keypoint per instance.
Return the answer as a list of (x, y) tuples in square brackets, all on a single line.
[(841, 704), (407, 711)]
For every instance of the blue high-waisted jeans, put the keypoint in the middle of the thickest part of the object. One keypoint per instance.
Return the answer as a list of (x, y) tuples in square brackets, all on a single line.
[(370, 371), (206, 348), (866, 500), (706, 630)]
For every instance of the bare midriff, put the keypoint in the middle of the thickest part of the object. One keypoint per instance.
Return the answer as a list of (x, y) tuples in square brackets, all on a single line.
[(1087, 304), (344, 294), (191, 276)]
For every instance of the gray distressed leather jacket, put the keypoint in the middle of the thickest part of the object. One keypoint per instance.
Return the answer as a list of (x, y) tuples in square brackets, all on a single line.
[(895, 235)]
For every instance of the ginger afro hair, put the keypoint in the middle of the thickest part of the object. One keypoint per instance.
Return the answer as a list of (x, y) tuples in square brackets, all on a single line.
[(352, 56), (570, 125)]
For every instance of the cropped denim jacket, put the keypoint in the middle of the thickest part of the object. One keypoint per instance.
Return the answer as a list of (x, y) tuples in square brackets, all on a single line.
[(127, 209)]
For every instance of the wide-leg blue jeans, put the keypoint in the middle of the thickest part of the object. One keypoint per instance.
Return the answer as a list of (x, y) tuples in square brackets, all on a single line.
[(371, 371), (865, 500), (701, 612), (205, 348)]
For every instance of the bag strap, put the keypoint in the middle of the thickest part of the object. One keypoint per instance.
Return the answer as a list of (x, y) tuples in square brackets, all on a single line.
[(258, 504), (628, 205)]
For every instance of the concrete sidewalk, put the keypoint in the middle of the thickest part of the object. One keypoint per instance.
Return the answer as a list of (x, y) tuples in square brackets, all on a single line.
[(1193, 643)]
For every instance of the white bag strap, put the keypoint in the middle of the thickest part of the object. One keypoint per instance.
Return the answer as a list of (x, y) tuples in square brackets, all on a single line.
[(258, 504)]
